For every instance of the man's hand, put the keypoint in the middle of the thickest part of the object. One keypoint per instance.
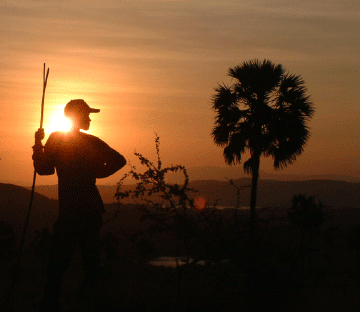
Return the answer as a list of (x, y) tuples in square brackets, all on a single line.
[(42, 163), (39, 136)]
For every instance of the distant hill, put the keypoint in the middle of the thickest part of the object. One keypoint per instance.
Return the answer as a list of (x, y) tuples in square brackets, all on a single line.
[(237, 172), (338, 194), (51, 191), (271, 193), (14, 203)]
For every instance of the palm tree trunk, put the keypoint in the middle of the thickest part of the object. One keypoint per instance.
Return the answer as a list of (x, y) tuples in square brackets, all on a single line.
[(255, 177)]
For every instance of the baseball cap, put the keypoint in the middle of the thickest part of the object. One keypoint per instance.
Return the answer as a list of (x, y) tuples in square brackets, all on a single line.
[(79, 106)]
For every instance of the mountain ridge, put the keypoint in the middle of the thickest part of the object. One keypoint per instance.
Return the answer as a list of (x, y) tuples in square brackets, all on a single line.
[(233, 172), (237, 172), (271, 193)]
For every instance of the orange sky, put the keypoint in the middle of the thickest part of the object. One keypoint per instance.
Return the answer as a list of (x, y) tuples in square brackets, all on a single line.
[(152, 66)]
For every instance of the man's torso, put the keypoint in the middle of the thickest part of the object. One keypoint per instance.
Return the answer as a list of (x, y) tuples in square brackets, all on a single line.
[(75, 157)]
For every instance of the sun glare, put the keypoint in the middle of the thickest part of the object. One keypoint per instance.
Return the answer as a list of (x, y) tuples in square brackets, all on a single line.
[(200, 203), (58, 122)]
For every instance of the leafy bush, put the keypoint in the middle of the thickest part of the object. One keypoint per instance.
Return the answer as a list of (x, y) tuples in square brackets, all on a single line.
[(172, 210), (235, 268), (305, 213)]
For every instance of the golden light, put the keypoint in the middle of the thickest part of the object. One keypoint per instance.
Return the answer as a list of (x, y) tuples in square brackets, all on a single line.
[(200, 203), (58, 122)]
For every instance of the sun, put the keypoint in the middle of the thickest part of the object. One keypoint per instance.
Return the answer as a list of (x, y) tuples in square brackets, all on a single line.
[(58, 122)]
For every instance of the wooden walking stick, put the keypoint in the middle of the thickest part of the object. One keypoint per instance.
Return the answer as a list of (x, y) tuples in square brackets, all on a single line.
[(21, 245)]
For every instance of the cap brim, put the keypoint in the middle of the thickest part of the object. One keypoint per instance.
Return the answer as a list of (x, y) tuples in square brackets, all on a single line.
[(94, 110)]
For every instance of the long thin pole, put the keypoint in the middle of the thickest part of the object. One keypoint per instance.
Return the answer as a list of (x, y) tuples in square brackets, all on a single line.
[(34, 178), (45, 78)]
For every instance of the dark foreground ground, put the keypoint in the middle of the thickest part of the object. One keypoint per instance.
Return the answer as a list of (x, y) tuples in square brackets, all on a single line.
[(328, 282), (148, 288)]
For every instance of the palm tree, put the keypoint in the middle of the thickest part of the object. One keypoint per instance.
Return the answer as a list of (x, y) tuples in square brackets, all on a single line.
[(264, 112)]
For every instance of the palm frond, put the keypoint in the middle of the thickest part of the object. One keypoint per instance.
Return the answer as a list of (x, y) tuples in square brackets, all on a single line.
[(265, 111), (223, 98), (221, 135), (258, 77), (292, 95), (290, 138), (236, 146)]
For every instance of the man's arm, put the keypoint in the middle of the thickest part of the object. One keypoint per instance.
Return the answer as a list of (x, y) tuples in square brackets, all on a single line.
[(112, 162), (109, 160), (43, 163)]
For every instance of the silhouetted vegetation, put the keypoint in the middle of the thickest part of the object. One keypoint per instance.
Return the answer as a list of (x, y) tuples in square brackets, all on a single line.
[(212, 246), (268, 274), (265, 112), (171, 210), (305, 213)]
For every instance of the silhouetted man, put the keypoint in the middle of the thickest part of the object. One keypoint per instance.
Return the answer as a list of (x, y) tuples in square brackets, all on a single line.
[(79, 159)]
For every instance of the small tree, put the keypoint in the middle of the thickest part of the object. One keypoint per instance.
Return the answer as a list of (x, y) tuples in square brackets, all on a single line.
[(171, 209), (265, 112), (166, 205), (305, 213)]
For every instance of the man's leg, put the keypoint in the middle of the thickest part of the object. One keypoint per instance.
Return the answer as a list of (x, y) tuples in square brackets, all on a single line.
[(90, 251), (61, 252)]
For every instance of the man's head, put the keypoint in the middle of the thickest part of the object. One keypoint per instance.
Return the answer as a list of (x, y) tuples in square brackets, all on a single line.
[(78, 111)]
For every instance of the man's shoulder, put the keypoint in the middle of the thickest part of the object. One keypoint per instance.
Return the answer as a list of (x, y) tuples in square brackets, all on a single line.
[(55, 140), (84, 134), (89, 137), (92, 139), (59, 133), (56, 136)]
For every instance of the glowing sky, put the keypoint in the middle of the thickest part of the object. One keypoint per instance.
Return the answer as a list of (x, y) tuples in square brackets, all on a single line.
[(152, 66)]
